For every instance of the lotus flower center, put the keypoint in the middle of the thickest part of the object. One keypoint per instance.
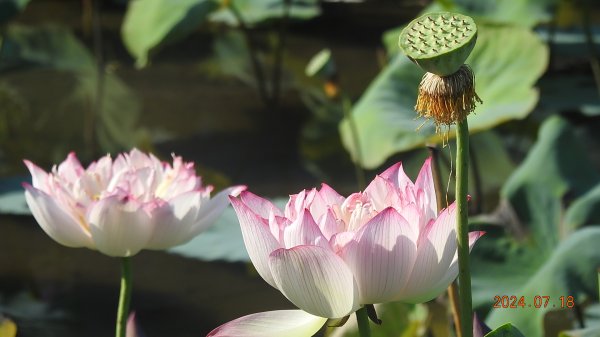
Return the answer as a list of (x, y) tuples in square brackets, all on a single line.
[(356, 211)]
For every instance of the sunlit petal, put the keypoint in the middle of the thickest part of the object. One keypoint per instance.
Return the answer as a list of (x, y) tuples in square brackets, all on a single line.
[(315, 279), (435, 252), (382, 256), (258, 239), (119, 226), (260, 206), (211, 210), (288, 323), (304, 231), (58, 224)]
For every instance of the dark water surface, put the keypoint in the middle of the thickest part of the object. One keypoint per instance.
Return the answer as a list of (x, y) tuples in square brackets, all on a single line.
[(74, 292)]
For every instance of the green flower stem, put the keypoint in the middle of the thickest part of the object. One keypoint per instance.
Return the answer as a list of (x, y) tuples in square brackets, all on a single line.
[(462, 183), (363, 322), (124, 297)]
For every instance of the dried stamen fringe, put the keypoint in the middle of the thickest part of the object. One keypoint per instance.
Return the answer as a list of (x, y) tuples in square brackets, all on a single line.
[(448, 99)]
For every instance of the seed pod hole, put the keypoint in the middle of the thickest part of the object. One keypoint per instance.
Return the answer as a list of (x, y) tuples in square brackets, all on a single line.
[(443, 41)]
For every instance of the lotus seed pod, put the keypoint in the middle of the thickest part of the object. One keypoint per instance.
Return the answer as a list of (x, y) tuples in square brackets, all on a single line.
[(439, 42)]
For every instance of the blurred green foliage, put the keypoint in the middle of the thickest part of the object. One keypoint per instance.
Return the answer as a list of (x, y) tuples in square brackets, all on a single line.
[(539, 253)]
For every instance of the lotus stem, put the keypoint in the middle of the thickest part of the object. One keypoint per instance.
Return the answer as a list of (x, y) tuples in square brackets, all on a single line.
[(362, 318), (464, 274), (124, 297), (437, 183)]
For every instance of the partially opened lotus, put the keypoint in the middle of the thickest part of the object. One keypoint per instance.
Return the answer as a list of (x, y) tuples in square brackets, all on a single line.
[(330, 255)]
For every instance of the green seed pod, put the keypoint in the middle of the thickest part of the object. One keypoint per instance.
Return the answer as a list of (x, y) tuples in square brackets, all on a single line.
[(439, 42)]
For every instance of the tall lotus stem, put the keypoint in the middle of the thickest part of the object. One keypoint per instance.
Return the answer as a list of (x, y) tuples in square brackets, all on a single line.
[(462, 183), (124, 297), (440, 44), (362, 318), (439, 192)]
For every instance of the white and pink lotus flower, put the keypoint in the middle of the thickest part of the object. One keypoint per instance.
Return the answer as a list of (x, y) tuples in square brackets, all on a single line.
[(330, 255), (122, 206)]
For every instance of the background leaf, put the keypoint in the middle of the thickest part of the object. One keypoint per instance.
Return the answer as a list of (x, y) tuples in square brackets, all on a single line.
[(527, 13), (588, 332), (540, 255), (151, 24), (47, 45), (115, 116), (569, 271), (505, 73), (257, 11), (506, 330), (556, 169)]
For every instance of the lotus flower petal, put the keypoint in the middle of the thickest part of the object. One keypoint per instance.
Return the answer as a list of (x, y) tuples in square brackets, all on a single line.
[(449, 276), (435, 252), (119, 226), (211, 209), (258, 205), (71, 168), (258, 239), (382, 193), (329, 225), (288, 323), (426, 190), (58, 224), (304, 231), (173, 221), (315, 279), (382, 256), (38, 176), (324, 200)]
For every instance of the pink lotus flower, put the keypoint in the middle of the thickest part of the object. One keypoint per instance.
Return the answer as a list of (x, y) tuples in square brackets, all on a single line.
[(120, 207), (329, 255)]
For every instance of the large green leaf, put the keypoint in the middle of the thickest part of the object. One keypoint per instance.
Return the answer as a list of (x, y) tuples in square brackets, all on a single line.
[(256, 11), (526, 13), (118, 110), (569, 271), (542, 254), (56, 48), (584, 210), (587, 332), (506, 330), (556, 168), (151, 24), (505, 73), (49, 46), (231, 58)]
